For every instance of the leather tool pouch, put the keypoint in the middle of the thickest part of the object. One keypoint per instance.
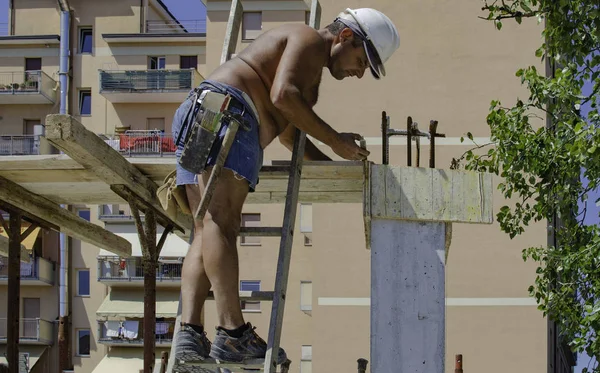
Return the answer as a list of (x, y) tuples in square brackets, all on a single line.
[(203, 131)]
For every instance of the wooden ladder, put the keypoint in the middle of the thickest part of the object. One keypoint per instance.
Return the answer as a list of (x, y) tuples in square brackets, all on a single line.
[(286, 231)]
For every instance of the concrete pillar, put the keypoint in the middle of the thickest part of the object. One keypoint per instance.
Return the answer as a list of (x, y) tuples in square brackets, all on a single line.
[(408, 214), (407, 296)]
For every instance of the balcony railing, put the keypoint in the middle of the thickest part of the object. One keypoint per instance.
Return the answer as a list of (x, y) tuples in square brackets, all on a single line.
[(31, 331), (121, 334), (116, 213), (38, 269), (147, 80), (28, 83), (180, 26), (19, 145), (131, 269), (142, 143)]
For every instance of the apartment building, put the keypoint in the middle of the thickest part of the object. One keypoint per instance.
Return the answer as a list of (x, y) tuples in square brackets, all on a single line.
[(132, 63)]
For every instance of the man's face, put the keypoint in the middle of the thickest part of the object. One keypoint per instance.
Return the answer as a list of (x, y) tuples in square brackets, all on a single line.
[(348, 60)]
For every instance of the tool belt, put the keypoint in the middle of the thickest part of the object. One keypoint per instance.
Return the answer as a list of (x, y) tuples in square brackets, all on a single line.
[(208, 112)]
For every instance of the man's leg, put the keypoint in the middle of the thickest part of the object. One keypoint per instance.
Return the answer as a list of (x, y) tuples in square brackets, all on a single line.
[(213, 252)]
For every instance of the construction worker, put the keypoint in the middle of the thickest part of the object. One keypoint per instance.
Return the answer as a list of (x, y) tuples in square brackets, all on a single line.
[(274, 84)]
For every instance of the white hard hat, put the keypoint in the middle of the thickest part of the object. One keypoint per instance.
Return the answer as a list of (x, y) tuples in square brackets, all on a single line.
[(380, 36)]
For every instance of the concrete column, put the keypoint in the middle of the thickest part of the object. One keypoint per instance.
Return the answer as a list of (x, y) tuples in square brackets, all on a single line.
[(407, 296), (408, 214)]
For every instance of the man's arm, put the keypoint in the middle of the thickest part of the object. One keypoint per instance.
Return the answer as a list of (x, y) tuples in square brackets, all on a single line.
[(302, 60), (311, 152)]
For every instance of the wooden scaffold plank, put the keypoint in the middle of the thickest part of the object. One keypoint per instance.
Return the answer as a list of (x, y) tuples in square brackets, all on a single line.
[(65, 220), (110, 166)]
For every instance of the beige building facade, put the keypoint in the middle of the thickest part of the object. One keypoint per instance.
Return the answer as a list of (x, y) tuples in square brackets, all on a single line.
[(132, 63)]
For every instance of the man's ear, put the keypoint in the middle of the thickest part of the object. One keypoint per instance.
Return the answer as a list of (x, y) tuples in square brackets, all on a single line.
[(346, 34)]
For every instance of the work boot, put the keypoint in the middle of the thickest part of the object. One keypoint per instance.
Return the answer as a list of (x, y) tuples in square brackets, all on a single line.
[(248, 349), (191, 346)]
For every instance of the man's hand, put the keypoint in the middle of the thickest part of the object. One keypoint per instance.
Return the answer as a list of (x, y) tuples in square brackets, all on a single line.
[(345, 146)]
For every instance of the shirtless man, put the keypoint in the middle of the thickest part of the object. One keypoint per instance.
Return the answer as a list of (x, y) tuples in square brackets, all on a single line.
[(274, 83)]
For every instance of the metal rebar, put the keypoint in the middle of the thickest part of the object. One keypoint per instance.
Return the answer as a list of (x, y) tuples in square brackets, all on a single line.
[(385, 138), (362, 365), (432, 134), (458, 366), (408, 141)]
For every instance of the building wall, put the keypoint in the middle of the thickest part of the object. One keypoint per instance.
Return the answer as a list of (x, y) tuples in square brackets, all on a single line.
[(449, 67), (28, 14), (83, 309)]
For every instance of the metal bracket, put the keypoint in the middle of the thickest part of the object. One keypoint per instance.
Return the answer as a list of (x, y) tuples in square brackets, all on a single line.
[(412, 133)]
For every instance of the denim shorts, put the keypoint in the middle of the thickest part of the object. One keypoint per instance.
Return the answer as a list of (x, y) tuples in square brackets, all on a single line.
[(245, 157)]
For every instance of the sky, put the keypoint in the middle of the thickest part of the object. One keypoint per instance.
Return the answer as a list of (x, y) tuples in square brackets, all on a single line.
[(195, 10)]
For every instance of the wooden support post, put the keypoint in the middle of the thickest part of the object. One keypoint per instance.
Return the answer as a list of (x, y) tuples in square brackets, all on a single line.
[(408, 215), (150, 252), (14, 287)]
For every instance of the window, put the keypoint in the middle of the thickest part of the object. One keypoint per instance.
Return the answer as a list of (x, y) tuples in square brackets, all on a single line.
[(85, 102), (83, 282), (84, 214), (306, 360), (250, 220), (33, 64), (85, 40), (251, 25), (155, 124), (250, 306), (306, 223), (83, 342), (29, 126), (306, 295), (156, 63), (188, 62)]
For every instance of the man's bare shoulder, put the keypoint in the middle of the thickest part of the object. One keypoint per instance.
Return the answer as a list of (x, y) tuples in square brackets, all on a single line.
[(300, 34)]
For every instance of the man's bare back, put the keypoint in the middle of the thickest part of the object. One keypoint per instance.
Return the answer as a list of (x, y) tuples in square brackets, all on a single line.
[(254, 71)]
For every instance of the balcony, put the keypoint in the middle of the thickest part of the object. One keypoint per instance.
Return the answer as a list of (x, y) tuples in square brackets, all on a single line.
[(19, 145), (38, 272), (130, 333), (148, 86), (31, 331), (27, 87), (142, 143), (195, 26), (130, 272)]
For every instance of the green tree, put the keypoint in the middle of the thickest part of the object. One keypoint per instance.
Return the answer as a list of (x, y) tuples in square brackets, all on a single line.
[(542, 163)]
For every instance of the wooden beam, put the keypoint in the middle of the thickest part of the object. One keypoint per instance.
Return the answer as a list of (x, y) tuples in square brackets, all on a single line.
[(233, 30), (67, 221), (64, 132)]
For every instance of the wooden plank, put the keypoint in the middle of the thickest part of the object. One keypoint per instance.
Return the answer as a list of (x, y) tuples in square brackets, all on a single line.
[(233, 30), (315, 14), (285, 253), (94, 154), (67, 221), (429, 194)]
